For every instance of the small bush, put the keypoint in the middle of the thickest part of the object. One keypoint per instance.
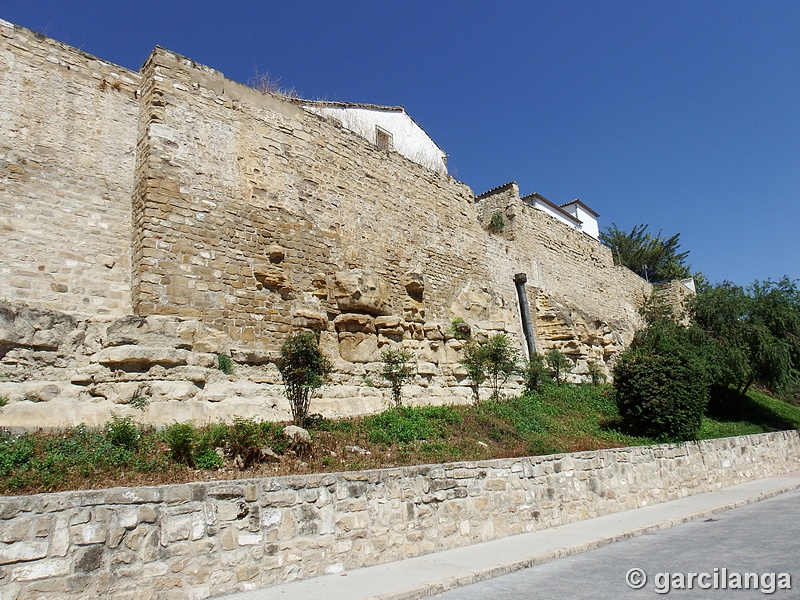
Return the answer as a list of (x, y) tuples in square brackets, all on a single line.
[(497, 222), (140, 402), (304, 368), (474, 362), (559, 365), (534, 373), (662, 396), (246, 438), (15, 451), (596, 375), (208, 459), (459, 329), (3, 401), (500, 360), (397, 370), (123, 432), (180, 437), (225, 364)]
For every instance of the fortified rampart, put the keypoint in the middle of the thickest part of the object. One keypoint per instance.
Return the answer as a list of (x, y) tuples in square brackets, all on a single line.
[(226, 218)]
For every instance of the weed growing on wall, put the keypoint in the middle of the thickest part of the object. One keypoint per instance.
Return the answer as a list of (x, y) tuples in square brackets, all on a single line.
[(497, 222), (225, 364)]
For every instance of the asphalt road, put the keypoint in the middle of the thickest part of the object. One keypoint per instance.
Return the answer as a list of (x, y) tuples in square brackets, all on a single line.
[(760, 538)]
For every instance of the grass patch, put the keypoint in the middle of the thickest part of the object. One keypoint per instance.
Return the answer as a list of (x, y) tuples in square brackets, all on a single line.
[(558, 418)]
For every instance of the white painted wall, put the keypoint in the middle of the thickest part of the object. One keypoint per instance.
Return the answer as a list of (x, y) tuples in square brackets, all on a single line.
[(408, 138), (587, 219), (554, 212)]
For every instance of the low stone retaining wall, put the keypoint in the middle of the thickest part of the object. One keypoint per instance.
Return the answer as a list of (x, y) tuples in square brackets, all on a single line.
[(202, 539)]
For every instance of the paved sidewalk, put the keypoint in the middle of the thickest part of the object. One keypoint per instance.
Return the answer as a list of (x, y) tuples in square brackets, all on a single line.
[(434, 573)]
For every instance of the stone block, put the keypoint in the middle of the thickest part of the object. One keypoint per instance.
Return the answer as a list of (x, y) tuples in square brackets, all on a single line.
[(361, 291), (350, 322), (141, 356)]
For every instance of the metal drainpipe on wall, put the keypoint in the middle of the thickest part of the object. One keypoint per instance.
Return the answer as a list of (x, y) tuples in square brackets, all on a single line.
[(525, 313)]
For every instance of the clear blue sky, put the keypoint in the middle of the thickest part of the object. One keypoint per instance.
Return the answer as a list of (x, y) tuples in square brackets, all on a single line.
[(681, 114)]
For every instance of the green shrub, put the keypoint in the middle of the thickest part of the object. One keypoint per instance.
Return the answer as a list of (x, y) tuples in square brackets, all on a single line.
[(304, 368), (123, 432), (474, 362), (245, 440), (596, 375), (397, 370), (497, 222), (225, 364), (459, 329), (662, 396), (208, 459), (15, 451), (140, 402), (534, 374), (3, 401), (500, 360), (559, 365), (180, 437)]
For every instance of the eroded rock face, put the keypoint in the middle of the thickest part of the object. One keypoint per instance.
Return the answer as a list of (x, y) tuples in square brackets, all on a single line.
[(138, 331), (482, 306), (354, 322), (414, 282), (361, 291), (307, 319), (22, 326)]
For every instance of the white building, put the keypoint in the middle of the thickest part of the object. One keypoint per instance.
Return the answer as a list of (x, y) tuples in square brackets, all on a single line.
[(388, 127), (585, 215)]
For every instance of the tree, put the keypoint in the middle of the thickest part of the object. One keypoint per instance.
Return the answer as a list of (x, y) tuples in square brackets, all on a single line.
[(660, 395), (304, 368), (534, 374), (501, 361), (756, 331), (559, 365), (474, 362), (494, 360), (397, 369), (653, 257)]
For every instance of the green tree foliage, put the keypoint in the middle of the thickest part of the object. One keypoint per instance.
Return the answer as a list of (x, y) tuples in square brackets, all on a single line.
[(501, 360), (473, 361), (559, 365), (653, 257), (493, 360), (534, 374), (304, 368), (756, 331), (397, 370)]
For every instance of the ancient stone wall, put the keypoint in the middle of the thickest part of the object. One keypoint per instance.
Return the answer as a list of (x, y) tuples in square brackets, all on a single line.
[(179, 194), (203, 539), (67, 136)]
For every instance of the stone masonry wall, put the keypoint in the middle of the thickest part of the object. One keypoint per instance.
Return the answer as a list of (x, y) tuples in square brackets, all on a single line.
[(67, 135), (203, 539), (180, 196), (278, 181)]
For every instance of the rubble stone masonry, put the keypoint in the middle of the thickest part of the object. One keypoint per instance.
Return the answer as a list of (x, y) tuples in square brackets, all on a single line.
[(202, 539), (179, 194)]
